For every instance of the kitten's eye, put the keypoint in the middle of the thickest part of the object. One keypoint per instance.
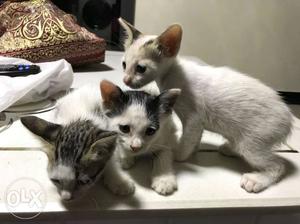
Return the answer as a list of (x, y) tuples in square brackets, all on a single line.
[(55, 181), (140, 69), (150, 131), (124, 65), (124, 128)]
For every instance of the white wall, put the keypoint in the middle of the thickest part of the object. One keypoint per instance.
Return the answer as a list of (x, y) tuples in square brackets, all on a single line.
[(259, 37)]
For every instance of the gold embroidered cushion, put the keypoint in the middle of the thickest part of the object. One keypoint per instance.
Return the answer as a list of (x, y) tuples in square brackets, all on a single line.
[(39, 31)]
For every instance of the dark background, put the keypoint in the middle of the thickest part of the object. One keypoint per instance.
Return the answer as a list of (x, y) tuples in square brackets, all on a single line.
[(101, 17)]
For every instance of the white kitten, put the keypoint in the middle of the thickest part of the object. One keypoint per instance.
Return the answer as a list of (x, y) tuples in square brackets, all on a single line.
[(248, 113)]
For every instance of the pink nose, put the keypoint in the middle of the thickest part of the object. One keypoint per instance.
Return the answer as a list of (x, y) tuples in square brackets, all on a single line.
[(127, 80), (135, 149)]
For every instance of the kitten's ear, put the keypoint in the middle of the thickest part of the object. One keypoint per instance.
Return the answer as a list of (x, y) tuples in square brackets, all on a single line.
[(131, 31), (167, 99), (169, 41), (111, 94), (42, 128), (102, 149)]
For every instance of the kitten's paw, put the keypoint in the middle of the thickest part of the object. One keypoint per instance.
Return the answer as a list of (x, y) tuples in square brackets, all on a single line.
[(164, 185), (255, 182), (226, 150), (122, 187), (127, 163)]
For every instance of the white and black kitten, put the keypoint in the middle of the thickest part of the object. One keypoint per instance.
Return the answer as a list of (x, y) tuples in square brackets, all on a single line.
[(145, 125)]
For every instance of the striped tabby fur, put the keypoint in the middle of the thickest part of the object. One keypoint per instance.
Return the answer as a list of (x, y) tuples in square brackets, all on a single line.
[(80, 153)]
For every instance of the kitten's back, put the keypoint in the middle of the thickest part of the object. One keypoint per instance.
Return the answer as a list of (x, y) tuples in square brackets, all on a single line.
[(234, 99), (80, 103)]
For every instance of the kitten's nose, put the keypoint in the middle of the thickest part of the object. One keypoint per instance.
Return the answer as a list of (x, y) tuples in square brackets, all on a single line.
[(135, 148), (127, 80), (66, 195)]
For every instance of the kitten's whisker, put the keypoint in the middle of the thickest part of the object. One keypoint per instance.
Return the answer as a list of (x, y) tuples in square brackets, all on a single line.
[(162, 146)]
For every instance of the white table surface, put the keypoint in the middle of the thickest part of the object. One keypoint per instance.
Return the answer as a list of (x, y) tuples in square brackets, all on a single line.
[(208, 181)]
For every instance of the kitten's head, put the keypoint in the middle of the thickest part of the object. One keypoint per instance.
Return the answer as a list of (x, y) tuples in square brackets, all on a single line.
[(136, 115), (147, 57), (79, 154)]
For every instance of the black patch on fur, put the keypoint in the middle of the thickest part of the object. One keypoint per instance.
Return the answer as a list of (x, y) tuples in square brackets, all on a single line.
[(150, 102)]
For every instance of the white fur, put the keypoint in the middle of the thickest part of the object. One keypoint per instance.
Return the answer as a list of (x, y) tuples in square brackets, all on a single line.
[(62, 172), (80, 104), (248, 113)]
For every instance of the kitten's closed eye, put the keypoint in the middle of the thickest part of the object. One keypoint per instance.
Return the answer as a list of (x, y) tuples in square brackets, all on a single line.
[(140, 69), (124, 65), (124, 128), (84, 181), (55, 181)]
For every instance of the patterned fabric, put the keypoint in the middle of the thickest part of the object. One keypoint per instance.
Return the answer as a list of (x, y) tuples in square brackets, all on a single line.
[(38, 31), (2, 30)]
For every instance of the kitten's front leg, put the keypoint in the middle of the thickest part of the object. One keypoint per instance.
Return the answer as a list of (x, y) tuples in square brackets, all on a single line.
[(115, 180), (191, 136), (127, 161), (163, 177)]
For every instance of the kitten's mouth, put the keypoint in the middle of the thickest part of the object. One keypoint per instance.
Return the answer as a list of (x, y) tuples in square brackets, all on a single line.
[(132, 150), (71, 201), (135, 150), (75, 198)]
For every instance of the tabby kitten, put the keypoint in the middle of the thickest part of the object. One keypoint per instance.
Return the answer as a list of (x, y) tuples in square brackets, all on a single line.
[(79, 154)]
